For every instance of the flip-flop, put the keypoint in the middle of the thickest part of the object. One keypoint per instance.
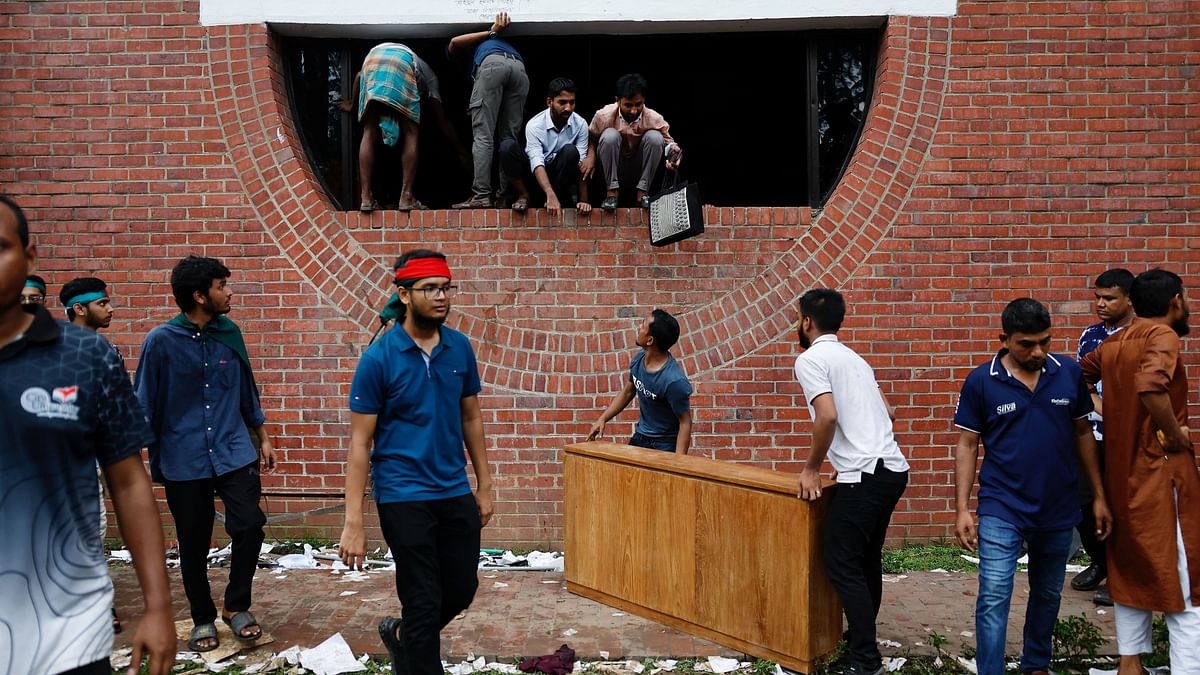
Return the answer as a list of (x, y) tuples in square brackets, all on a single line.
[(367, 207), (520, 205), (415, 206), (388, 627), (609, 204), (205, 631), (241, 621)]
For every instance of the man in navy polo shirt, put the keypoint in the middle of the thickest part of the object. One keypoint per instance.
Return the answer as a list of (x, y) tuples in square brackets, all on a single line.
[(414, 404), (67, 403), (1030, 408)]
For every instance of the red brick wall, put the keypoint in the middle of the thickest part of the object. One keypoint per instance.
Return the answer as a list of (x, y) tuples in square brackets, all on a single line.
[(1018, 148)]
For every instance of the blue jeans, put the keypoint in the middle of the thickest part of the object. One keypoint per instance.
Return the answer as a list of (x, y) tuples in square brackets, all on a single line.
[(664, 443), (999, 548)]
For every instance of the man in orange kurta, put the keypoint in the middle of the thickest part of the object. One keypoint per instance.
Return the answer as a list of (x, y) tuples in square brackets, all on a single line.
[(1150, 475)]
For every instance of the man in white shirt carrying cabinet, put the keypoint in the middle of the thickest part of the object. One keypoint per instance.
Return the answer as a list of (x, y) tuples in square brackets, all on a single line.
[(871, 471)]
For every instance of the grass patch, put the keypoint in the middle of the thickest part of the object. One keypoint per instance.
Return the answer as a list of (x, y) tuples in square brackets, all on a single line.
[(926, 557)]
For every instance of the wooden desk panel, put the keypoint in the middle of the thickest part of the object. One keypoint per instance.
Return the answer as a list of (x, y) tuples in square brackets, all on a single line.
[(720, 550)]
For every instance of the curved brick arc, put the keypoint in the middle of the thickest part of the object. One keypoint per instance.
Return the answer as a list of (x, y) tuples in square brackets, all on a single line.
[(251, 95)]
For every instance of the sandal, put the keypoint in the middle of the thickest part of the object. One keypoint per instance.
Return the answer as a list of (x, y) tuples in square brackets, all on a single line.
[(116, 621), (609, 204), (644, 201), (205, 631), (367, 207), (389, 627), (414, 206), (240, 622), (520, 205)]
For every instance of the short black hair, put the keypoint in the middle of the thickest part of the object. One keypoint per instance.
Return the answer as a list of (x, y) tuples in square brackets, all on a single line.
[(664, 329), (76, 287), (1118, 277), (35, 278), (22, 222), (826, 307), (560, 84), (1152, 291), (631, 85), (194, 273), (1025, 315)]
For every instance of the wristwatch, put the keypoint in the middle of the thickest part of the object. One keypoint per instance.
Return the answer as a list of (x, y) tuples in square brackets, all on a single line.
[(491, 35)]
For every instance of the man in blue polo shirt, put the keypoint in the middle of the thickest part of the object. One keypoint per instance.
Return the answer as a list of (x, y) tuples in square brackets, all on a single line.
[(414, 404), (1030, 408)]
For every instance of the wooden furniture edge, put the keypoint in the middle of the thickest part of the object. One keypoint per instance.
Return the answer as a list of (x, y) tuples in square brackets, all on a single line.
[(750, 648), (729, 473)]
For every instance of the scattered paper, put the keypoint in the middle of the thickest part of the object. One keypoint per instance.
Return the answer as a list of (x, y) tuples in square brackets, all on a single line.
[(550, 581), (969, 665), (121, 658), (895, 664), (1102, 611), (569, 632), (893, 578), (889, 643), (666, 664), (942, 570), (635, 666), (123, 555), (499, 584), (720, 664), (618, 613), (966, 633), (604, 654), (281, 577), (344, 594), (299, 561), (331, 657)]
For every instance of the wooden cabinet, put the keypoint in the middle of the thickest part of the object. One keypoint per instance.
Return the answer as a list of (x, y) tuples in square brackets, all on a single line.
[(720, 550)]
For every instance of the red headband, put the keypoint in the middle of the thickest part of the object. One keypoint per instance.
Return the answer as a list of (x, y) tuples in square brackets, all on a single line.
[(421, 268)]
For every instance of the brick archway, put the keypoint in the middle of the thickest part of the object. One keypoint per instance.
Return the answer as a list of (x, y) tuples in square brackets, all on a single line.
[(326, 246)]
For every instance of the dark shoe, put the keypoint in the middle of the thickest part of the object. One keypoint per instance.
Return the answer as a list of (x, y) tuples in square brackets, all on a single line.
[(609, 204), (116, 621), (1101, 597), (475, 202), (389, 633), (644, 201), (205, 631), (240, 622), (520, 205), (1089, 579)]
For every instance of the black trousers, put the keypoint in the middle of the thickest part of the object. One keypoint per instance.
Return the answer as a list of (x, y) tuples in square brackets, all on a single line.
[(855, 528), (563, 172), (1087, 527), (436, 548), (191, 504), (101, 667)]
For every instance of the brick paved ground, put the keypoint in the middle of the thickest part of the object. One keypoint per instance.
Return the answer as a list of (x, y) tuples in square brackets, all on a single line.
[(529, 615)]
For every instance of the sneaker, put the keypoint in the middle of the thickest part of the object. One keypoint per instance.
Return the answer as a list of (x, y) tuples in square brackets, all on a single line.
[(475, 202), (1089, 579), (1101, 597), (389, 633)]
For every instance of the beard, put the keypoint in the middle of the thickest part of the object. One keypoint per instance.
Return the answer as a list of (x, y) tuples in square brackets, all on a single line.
[(423, 321), (1180, 325), (804, 341)]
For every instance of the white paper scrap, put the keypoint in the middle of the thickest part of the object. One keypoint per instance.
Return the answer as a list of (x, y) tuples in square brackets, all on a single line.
[(569, 632), (122, 555), (604, 654), (291, 655), (666, 664), (331, 657), (720, 664), (969, 664), (966, 633), (895, 664), (499, 584), (889, 643), (618, 613), (344, 594), (635, 666)]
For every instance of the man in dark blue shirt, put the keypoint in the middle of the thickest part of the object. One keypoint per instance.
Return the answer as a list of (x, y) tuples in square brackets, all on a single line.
[(1115, 311), (195, 382), (1030, 408), (661, 388), (414, 405), (66, 403), (497, 103)]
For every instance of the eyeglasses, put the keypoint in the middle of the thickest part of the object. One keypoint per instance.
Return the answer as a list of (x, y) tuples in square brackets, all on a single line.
[(434, 291), (32, 299)]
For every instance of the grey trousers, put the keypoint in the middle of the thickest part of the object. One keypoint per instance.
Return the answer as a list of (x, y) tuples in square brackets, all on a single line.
[(647, 157), (497, 106)]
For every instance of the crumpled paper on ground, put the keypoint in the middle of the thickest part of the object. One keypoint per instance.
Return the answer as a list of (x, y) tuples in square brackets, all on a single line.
[(331, 657), (229, 644)]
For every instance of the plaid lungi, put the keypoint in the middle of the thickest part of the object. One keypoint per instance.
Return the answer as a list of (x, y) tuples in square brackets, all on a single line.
[(389, 76)]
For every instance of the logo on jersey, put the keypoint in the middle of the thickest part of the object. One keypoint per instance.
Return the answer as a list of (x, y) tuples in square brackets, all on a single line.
[(642, 388), (1005, 408), (59, 405)]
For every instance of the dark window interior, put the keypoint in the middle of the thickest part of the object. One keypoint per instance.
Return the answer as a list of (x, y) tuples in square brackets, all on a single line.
[(765, 118)]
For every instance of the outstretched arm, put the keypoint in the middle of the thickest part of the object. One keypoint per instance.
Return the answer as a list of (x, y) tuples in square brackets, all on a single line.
[(462, 43), (619, 403)]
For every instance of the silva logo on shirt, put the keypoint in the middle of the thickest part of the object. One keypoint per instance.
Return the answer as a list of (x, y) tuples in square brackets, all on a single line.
[(60, 405), (1061, 401), (1005, 408)]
